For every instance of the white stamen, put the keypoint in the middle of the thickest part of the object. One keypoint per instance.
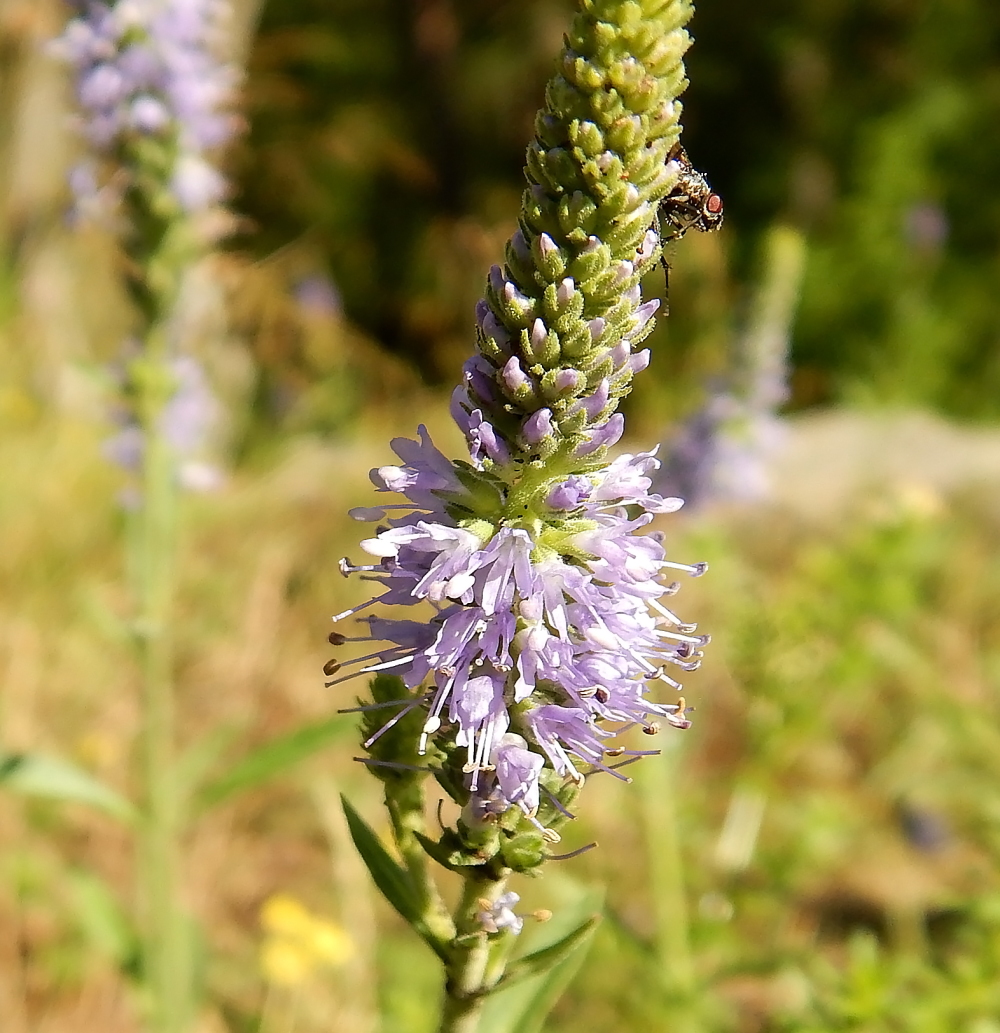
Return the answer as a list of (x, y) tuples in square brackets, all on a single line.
[(356, 609), (390, 723), (694, 569)]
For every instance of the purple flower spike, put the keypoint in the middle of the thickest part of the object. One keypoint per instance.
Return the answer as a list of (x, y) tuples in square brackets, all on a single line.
[(532, 560), (152, 67), (190, 414), (186, 421), (577, 613)]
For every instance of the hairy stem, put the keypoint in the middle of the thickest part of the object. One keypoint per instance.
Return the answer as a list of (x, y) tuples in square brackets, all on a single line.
[(404, 800), (466, 984)]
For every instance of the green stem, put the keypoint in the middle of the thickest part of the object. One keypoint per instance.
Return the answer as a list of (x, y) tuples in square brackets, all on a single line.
[(666, 873), (466, 985), (164, 929), (535, 479), (404, 800)]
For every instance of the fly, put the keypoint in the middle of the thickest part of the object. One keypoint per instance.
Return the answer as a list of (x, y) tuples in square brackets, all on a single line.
[(691, 204)]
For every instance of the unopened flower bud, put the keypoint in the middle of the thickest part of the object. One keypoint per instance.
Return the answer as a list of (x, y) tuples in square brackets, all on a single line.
[(538, 426), (608, 434), (565, 291)]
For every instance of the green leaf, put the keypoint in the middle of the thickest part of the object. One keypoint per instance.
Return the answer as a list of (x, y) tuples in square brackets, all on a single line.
[(390, 877), (103, 920), (448, 851), (271, 759), (34, 774), (534, 982), (194, 764), (543, 961)]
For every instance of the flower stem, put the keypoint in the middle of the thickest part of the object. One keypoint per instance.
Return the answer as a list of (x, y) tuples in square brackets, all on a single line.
[(466, 985), (404, 800), (164, 929)]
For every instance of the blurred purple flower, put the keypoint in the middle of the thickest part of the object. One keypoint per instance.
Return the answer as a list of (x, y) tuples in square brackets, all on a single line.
[(318, 296), (926, 830), (723, 451), (187, 422), (152, 68), (926, 226), (192, 411)]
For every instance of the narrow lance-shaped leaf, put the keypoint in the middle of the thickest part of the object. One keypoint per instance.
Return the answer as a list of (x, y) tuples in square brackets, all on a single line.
[(545, 960), (553, 983), (34, 774), (391, 878), (521, 1000), (272, 759)]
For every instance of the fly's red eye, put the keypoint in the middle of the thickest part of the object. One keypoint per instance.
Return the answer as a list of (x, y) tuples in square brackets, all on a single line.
[(714, 204)]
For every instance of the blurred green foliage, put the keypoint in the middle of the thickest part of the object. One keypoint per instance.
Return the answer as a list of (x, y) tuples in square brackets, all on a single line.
[(388, 135)]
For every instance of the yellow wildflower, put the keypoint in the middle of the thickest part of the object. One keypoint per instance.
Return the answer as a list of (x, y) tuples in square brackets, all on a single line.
[(297, 943)]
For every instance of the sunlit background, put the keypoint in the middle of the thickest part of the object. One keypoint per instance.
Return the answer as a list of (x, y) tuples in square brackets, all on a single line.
[(819, 852)]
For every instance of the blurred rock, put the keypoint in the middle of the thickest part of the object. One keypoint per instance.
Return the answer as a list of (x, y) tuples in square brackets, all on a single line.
[(830, 458)]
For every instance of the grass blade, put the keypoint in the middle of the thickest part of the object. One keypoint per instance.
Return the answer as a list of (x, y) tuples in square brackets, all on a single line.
[(33, 774), (271, 759)]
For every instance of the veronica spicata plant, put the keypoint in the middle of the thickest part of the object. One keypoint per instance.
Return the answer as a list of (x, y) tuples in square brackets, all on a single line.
[(540, 633), (155, 104)]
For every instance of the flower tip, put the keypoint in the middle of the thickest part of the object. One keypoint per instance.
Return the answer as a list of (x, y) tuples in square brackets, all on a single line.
[(638, 362), (662, 506), (379, 547), (366, 514)]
